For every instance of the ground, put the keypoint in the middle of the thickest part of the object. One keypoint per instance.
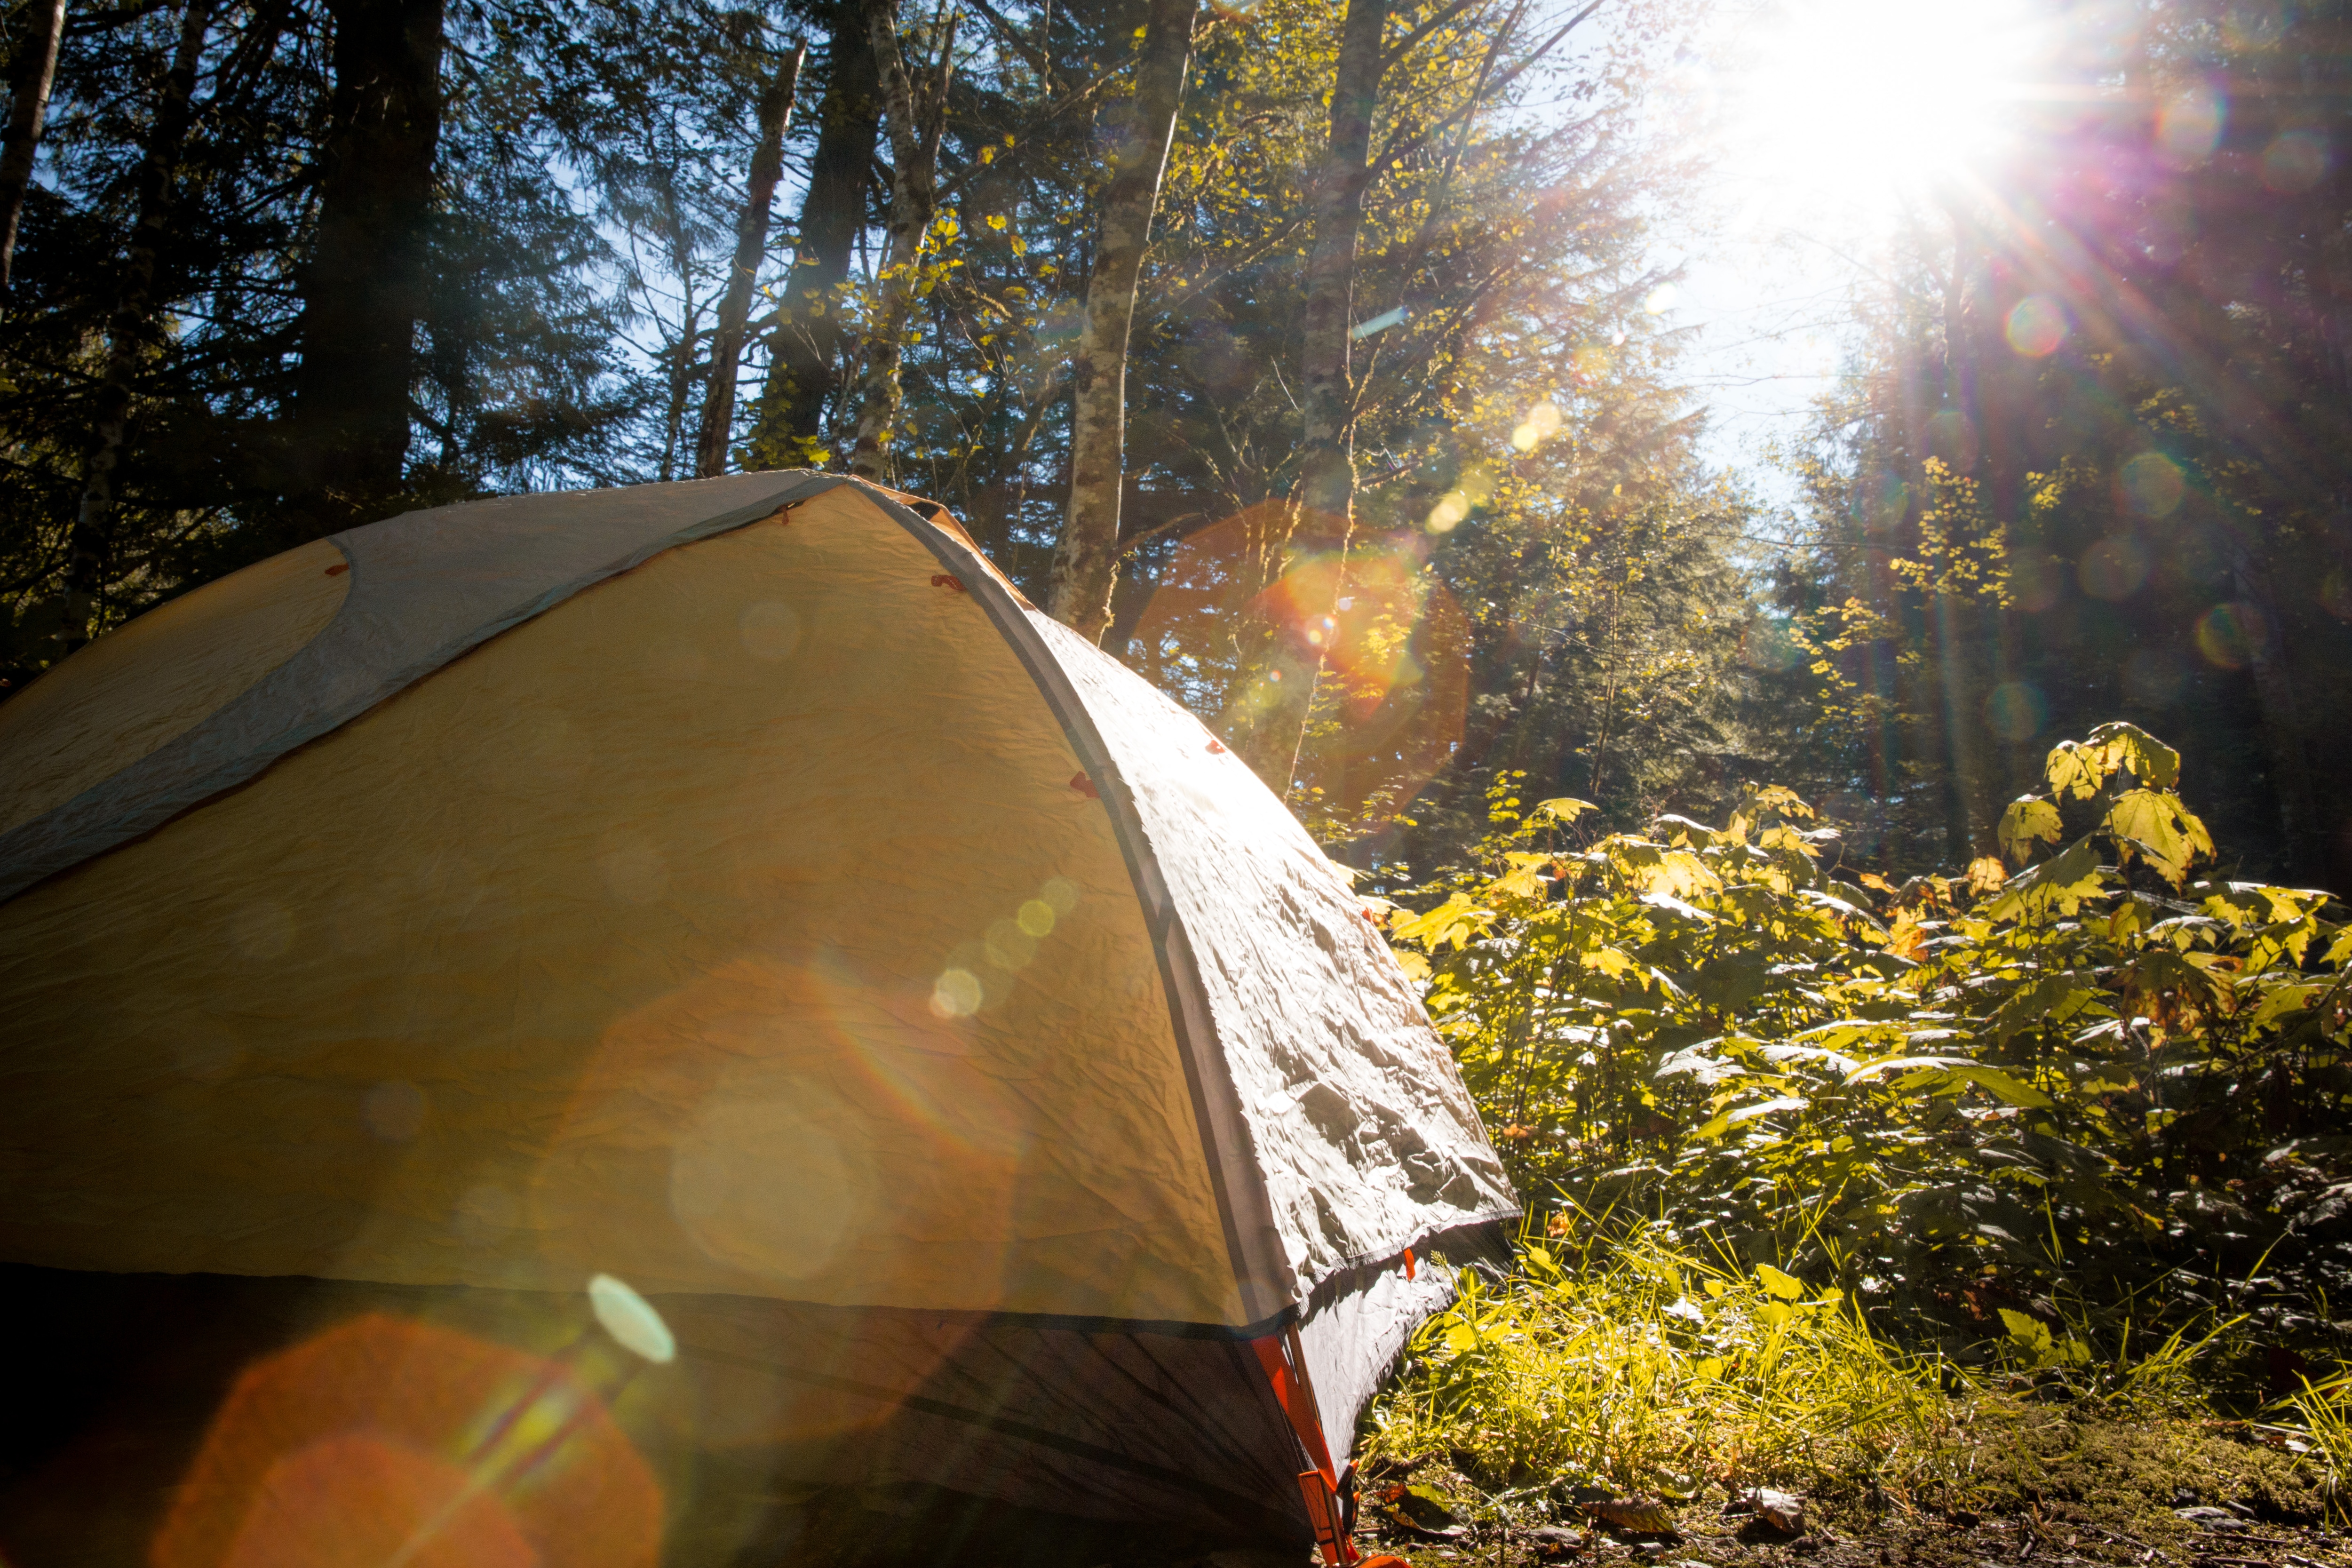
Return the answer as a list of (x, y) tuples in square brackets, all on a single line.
[(2047, 1489)]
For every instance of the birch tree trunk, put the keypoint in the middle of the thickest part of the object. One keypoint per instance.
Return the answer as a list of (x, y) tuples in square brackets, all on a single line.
[(915, 111), (1085, 563), (29, 108), (131, 326), (1279, 680), (805, 347), (751, 244)]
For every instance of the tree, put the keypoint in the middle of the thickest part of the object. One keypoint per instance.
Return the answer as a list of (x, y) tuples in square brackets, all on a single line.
[(37, 65), (364, 286), (1085, 562), (806, 343), (131, 327), (751, 244), (916, 99)]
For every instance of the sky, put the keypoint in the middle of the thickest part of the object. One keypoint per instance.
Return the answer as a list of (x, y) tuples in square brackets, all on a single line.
[(1825, 119)]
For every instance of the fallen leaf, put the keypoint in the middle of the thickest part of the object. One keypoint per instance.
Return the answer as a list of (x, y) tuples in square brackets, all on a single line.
[(1635, 1516)]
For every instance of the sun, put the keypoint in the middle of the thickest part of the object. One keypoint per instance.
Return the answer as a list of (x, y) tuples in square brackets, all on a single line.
[(1858, 103)]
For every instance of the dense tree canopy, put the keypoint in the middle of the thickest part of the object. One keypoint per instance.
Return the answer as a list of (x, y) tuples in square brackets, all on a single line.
[(1400, 486)]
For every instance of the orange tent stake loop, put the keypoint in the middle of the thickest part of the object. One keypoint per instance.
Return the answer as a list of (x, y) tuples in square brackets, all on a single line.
[(1321, 1486)]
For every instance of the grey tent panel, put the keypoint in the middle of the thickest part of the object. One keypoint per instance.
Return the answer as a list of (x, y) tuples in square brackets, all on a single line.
[(426, 587)]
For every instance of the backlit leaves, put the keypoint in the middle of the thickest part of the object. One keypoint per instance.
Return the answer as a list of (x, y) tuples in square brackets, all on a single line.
[(1716, 1025)]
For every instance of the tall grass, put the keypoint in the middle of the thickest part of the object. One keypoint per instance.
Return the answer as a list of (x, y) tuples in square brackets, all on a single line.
[(1646, 1368)]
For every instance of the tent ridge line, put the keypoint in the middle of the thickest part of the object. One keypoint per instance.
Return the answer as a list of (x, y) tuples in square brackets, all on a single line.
[(1231, 1160), (112, 813)]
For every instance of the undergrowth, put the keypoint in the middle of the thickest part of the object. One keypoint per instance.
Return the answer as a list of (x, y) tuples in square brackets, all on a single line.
[(1628, 1364), (1650, 1369)]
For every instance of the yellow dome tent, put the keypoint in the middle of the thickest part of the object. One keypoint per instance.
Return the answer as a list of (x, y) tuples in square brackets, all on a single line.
[(950, 1064)]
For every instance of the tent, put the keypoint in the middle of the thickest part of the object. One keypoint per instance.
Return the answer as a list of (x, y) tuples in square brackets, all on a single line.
[(949, 1064)]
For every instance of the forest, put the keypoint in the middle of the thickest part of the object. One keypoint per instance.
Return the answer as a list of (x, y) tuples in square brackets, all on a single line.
[(1882, 890)]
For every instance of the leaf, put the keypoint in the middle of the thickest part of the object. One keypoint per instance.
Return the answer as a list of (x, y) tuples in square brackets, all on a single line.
[(1457, 920), (2279, 999), (1562, 809), (2031, 1332), (2162, 829), (1779, 798), (1873, 881), (2065, 880), (1635, 1516), (2002, 1087), (1986, 873), (2154, 764), (2073, 769), (1607, 961), (1905, 939), (1787, 1286), (2029, 820), (1937, 1070)]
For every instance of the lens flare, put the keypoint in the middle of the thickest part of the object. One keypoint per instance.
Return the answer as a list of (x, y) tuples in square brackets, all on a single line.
[(2016, 711), (2112, 569), (2230, 634), (2295, 161), (631, 1320), (2036, 326), (1368, 643), (2151, 484), (2189, 127), (386, 1441)]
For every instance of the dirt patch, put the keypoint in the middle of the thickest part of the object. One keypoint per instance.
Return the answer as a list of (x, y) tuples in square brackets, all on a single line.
[(2042, 1490)]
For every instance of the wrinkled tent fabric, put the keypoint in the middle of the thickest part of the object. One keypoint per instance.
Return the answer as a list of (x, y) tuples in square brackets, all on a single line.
[(738, 888)]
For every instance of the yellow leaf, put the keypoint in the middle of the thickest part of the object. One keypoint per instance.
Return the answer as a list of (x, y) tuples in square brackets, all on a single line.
[(1787, 1286), (2028, 819), (2154, 764), (2071, 769), (1985, 874), (2031, 1332), (995, 220), (2167, 835), (1607, 960)]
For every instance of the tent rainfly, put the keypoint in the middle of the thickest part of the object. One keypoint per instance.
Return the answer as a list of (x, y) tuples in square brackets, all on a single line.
[(726, 912)]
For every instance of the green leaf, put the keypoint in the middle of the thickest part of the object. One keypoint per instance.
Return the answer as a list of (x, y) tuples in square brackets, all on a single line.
[(2002, 1087), (1787, 1286), (2031, 1332)]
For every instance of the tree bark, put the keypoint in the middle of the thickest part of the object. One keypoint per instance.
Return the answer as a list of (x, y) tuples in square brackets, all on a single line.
[(28, 109), (364, 289), (915, 111), (131, 326), (1327, 468), (751, 244), (806, 346), (1278, 680), (1085, 563)]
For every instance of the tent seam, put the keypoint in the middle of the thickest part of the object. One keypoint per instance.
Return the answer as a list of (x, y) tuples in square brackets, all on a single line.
[(1181, 979)]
